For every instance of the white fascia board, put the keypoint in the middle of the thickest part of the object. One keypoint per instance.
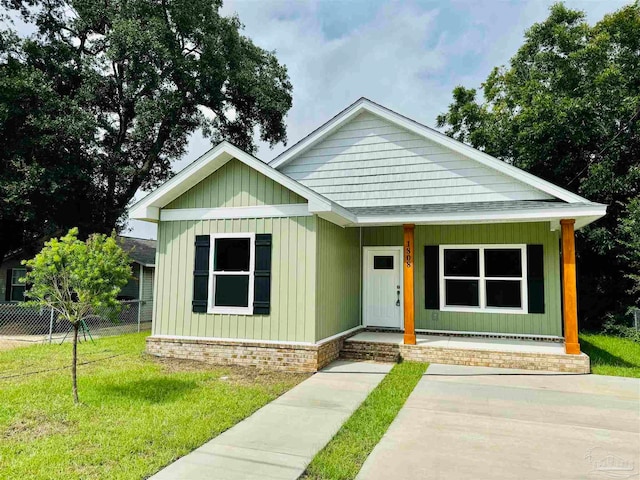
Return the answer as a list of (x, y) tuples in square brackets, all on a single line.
[(447, 142), (583, 215), (260, 211), (332, 212), (146, 265), (336, 219), (144, 213), (149, 207)]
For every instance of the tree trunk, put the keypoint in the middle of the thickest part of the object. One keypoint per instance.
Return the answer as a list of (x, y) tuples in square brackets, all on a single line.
[(74, 376)]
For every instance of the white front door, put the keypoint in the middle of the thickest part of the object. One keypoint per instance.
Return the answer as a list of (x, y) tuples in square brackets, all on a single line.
[(382, 302)]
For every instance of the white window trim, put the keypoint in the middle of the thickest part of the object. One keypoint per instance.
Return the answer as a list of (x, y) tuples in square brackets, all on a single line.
[(212, 308), (482, 278)]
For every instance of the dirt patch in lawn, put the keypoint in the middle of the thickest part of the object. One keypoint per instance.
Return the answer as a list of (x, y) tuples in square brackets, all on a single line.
[(235, 375), (9, 344), (35, 426)]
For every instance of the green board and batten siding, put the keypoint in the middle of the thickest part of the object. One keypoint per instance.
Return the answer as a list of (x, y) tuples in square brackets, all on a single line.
[(300, 292), (235, 185), (293, 275), (292, 281), (549, 323), (338, 267), (316, 278)]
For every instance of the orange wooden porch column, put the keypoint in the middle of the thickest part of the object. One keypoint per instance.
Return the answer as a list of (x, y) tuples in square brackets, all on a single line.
[(569, 293), (407, 270)]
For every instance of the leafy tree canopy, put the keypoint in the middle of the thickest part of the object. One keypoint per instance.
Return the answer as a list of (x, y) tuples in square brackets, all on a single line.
[(567, 109), (103, 96)]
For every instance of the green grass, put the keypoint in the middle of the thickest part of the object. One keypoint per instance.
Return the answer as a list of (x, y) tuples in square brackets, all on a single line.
[(344, 455), (137, 413), (612, 355)]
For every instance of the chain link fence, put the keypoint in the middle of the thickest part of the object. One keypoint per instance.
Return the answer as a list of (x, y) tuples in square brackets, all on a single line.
[(24, 323)]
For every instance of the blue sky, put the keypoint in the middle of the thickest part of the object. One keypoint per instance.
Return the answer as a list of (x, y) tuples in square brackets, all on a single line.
[(407, 56)]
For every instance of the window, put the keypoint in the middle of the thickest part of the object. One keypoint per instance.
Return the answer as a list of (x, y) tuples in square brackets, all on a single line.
[(232, 273), (383, 262), (483, 278), (17, 288)]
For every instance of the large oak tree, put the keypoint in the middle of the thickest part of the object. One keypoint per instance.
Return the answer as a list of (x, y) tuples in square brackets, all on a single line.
[(97, 102), (567, 108)]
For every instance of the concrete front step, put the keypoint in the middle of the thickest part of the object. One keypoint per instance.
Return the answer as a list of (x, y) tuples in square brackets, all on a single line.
[(378, 352)]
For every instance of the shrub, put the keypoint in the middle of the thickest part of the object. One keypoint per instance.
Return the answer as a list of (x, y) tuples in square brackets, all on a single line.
[(618, 326)]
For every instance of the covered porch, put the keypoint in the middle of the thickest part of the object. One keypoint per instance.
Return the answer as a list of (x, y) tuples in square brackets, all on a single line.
[(528, 291), (456, 349), (538, 330), (431, 268)]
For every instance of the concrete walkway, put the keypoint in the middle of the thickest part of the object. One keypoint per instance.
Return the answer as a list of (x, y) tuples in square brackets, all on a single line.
[(280, 439), (482, 423)]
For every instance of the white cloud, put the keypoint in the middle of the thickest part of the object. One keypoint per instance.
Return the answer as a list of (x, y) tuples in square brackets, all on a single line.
[(385, 60)]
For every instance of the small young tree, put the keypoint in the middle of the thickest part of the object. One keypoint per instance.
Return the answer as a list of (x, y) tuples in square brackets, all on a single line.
[(74, 277)]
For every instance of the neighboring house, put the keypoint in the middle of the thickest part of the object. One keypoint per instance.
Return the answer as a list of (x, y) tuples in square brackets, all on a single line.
[(143, 260), (11, 271), (372, 221), (140, 287)]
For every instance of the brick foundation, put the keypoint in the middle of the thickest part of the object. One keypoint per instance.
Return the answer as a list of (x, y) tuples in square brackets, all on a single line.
[(313, 357), (269, 355), (500, 359), (361, 350)]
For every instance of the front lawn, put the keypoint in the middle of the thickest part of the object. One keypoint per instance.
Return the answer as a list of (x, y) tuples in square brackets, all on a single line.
[(137, 413), (612, 355)]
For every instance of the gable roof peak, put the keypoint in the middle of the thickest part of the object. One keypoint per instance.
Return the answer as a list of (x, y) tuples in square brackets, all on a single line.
[(148, 208), (365, 104)]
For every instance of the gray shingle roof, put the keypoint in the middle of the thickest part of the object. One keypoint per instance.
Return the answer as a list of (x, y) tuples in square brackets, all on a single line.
[(462, 207), (140, 250)]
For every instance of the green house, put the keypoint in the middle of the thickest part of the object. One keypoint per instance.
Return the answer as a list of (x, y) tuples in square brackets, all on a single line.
[(373, 222)]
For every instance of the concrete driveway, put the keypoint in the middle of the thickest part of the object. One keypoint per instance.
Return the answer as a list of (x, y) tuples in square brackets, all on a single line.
[(481, 423)]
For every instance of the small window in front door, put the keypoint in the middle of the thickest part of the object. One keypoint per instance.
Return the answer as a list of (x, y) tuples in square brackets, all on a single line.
[(383, 262)]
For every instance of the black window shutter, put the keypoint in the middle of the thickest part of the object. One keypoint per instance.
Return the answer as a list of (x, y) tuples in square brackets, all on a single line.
[(201, 274), (535, 278), (7, 290), (431, 277), (262, 282)]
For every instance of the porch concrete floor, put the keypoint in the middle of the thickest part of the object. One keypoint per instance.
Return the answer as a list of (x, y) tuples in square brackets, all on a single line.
[(466, 343)]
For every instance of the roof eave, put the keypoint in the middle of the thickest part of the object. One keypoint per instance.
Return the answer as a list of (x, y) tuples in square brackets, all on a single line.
[(146, 265), (584, 215)]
